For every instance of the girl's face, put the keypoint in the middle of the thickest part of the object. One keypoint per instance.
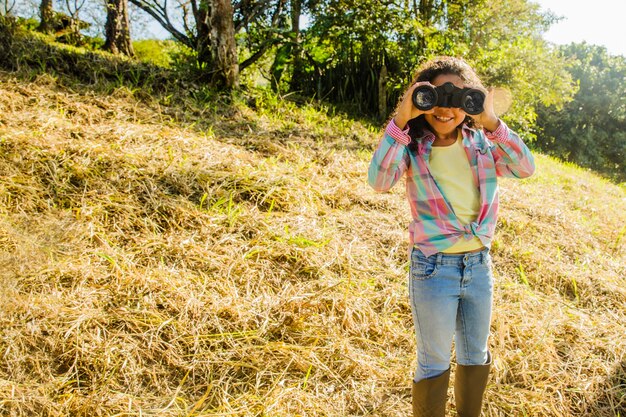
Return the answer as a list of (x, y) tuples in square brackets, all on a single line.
[(444, 120)]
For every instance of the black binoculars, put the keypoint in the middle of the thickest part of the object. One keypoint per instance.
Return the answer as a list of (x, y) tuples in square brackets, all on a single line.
[(471, 100)]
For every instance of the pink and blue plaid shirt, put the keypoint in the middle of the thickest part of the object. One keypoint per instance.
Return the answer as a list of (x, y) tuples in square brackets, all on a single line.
[(435, 226)]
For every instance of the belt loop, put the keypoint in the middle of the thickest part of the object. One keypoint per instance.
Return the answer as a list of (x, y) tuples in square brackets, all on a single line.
[(439, 257)]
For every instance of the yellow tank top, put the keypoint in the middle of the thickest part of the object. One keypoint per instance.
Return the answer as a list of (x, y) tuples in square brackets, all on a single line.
[(452, 173)]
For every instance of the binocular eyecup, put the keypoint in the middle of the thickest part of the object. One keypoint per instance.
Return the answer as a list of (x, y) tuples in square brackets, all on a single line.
[(471, 100)]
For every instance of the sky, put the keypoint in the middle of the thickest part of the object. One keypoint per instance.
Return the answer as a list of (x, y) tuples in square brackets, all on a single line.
[(599, 22)]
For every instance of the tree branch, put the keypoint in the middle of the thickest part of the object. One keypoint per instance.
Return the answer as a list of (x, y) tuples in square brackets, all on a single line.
[(160, 15), (277, 11), (258, 54), (7, 8), (248, 17), (185, 19)]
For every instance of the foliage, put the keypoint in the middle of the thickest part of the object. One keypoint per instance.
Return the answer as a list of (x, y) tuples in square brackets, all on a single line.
[(347, 47), (591, 129), (504, 41), (349, 43), (262, 24), (28, 23), (158, 52)]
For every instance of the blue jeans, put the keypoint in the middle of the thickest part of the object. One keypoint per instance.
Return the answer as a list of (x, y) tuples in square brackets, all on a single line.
[(451, 297)]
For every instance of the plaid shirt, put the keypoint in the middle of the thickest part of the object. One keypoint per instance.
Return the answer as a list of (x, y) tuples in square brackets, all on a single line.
[(435, 226)]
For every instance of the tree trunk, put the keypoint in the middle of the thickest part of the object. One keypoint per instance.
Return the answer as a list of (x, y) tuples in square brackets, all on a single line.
[(117, 28), (216, 48), (298, 75), (47, 15)]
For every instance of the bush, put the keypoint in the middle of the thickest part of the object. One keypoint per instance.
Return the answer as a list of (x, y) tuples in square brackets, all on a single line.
[(158, 52)]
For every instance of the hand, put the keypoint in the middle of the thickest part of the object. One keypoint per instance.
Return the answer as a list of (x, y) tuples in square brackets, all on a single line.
[(488, 118), (406, 110)]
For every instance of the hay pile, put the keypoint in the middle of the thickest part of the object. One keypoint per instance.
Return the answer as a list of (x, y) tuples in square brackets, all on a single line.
[(223, 260)]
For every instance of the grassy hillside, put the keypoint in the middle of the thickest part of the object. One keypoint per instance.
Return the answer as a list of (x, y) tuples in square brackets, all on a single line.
[(230, 259)]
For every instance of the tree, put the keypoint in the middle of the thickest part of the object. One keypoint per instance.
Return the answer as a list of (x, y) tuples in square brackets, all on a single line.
[(215, 41), (290, 51), (262, 23), (591, 129), (208, 27), (117, 28), (46, 15), (504, 41), (350, 45)]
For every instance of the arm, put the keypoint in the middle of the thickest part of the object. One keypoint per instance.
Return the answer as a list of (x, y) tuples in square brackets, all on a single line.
[(511, 155), (390, 159)]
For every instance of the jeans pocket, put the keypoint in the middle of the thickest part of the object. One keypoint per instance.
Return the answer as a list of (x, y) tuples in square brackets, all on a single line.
[(422, 267)]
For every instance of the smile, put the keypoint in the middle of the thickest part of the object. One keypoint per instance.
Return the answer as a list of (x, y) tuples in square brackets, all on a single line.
[(443, 119)]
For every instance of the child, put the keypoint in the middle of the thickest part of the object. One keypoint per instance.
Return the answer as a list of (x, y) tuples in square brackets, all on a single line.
[(451, 161)]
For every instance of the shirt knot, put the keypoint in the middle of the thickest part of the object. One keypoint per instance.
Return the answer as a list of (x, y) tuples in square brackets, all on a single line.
[(470, 230)]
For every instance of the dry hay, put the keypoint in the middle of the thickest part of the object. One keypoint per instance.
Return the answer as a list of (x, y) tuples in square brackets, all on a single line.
[(180, 261)]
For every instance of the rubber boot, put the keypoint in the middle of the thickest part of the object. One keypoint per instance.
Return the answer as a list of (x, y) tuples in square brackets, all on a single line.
[(430, 396), (469, 387)]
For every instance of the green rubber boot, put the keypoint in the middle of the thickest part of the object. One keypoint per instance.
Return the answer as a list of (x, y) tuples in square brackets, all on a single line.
[(430, 396), (469, 388)]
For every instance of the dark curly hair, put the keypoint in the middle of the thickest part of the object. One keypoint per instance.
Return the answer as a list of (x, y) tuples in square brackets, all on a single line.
[(430, 70)]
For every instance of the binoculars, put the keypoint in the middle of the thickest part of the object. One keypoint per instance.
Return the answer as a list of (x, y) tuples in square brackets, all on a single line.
[(471, 100)]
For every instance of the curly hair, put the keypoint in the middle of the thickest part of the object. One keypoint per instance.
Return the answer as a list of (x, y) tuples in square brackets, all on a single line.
[(444, 65)]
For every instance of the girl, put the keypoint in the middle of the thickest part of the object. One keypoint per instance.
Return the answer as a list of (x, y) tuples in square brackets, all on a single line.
[(451, 161)]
